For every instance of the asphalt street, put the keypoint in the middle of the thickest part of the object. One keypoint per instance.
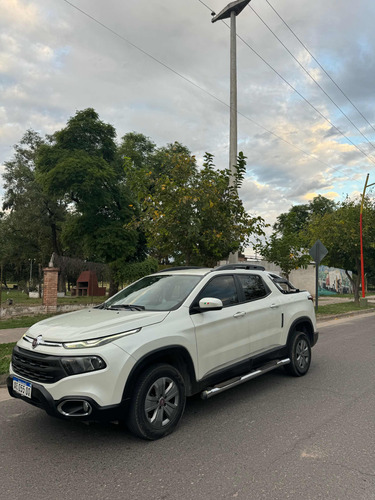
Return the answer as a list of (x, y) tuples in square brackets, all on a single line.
[(276, 437)]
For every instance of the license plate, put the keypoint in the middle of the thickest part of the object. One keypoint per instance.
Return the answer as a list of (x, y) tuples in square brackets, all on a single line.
[(22, 387)]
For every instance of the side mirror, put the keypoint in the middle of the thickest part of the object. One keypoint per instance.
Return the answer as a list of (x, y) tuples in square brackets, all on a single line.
[(210, 304)]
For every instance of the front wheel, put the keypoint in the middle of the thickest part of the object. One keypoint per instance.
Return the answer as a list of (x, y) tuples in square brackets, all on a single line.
[(158, 402), (299, 354)]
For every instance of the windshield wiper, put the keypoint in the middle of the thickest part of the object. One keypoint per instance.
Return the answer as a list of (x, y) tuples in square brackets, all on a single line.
[(130, 307)]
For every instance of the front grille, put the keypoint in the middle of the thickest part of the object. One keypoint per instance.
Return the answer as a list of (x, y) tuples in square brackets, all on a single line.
[(37, 366)]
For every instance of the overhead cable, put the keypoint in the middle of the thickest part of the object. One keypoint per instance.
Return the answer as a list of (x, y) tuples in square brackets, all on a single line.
[(372, 160), (312, 78), (321, 67), (196, 85)]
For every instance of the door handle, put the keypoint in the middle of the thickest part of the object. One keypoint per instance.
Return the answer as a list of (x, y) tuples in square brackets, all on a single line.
[(274, 306), (239, 314)]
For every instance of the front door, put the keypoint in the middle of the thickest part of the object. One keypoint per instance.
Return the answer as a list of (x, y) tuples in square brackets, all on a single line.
[(222, 336)]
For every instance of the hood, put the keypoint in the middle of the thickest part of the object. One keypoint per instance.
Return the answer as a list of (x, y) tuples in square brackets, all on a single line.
[(93, 323)]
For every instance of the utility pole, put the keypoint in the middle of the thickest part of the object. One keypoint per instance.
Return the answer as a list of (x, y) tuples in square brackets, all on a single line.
[(231, 11)]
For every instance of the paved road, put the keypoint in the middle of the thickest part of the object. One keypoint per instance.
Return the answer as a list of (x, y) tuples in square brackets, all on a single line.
[(274, 438)]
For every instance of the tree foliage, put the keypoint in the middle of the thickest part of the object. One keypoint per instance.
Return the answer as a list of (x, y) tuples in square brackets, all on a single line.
[(339, 231), (299, 216), (191, 215), (288, 244), (286, 251), (32, 222), (79, 165)]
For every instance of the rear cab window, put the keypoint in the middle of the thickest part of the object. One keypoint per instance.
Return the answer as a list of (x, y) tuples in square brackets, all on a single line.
[(253, 286)]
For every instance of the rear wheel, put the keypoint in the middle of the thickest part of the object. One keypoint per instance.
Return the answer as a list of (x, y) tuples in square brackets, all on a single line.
[(299, 354), (158, 402)]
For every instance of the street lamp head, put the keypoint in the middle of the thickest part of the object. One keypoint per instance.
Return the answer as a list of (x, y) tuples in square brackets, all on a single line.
[(235, 7)]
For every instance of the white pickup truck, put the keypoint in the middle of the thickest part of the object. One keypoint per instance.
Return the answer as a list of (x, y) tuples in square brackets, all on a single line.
[(173, 334)]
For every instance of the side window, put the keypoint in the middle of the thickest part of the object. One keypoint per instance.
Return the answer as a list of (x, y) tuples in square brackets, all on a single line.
[(223, 288), (253, 286)]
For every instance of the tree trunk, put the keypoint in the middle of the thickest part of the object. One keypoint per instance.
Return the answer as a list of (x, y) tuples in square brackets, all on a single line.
[(40, 280), (113, 287), (61, 283), (355, 281)]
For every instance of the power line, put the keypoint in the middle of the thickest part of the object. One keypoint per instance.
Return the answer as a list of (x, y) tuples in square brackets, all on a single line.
[(312, 78), (209, 8), (196, 85), (295, 90), (303, 97), (318, 63)]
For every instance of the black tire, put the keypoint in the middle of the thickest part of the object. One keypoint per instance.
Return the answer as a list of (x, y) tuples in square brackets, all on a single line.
[(299, 354), (158, 402)]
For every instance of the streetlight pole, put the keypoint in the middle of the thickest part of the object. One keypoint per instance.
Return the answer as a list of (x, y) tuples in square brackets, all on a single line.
[(233, 96), (231, 11)]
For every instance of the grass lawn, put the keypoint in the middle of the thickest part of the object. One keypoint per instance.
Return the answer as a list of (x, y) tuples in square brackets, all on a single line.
[(22, 321), (5, 355), (344, 307)]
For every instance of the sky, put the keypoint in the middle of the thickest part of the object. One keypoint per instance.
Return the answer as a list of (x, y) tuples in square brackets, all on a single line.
[(161, 68)]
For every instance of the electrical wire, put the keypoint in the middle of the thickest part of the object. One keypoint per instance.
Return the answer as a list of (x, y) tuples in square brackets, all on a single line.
[(303, 97), (372, 160), (198, 86), (312, 78), (321, 67)]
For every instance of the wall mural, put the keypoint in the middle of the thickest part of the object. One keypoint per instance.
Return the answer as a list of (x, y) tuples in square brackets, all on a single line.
[(333, 281)]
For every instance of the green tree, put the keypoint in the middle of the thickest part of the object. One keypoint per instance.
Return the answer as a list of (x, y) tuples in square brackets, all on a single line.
[(339, 232), (288, 244), (80, 165), (285, 251), (165, 160), (33, 220), (189, 215), (138, 148), (299, 216)]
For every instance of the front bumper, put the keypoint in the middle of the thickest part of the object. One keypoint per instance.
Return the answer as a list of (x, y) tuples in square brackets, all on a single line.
[(66, 407)]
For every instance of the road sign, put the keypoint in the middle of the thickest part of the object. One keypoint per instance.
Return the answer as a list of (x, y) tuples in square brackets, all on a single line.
[(318, 251)]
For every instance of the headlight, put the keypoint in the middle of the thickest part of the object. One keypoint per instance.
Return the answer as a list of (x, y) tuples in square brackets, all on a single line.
[(82, 344), (83, 364)]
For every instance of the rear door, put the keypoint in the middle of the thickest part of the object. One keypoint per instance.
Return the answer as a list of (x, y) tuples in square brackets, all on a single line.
[(264, 313)]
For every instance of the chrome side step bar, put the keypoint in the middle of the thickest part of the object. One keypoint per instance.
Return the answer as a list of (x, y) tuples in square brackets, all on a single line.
[(223, 386)]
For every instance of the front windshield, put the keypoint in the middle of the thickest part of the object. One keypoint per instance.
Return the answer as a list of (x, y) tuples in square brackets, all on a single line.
[(154, 293)]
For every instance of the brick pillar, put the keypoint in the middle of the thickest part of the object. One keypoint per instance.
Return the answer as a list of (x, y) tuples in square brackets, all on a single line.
[(50, 288)]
